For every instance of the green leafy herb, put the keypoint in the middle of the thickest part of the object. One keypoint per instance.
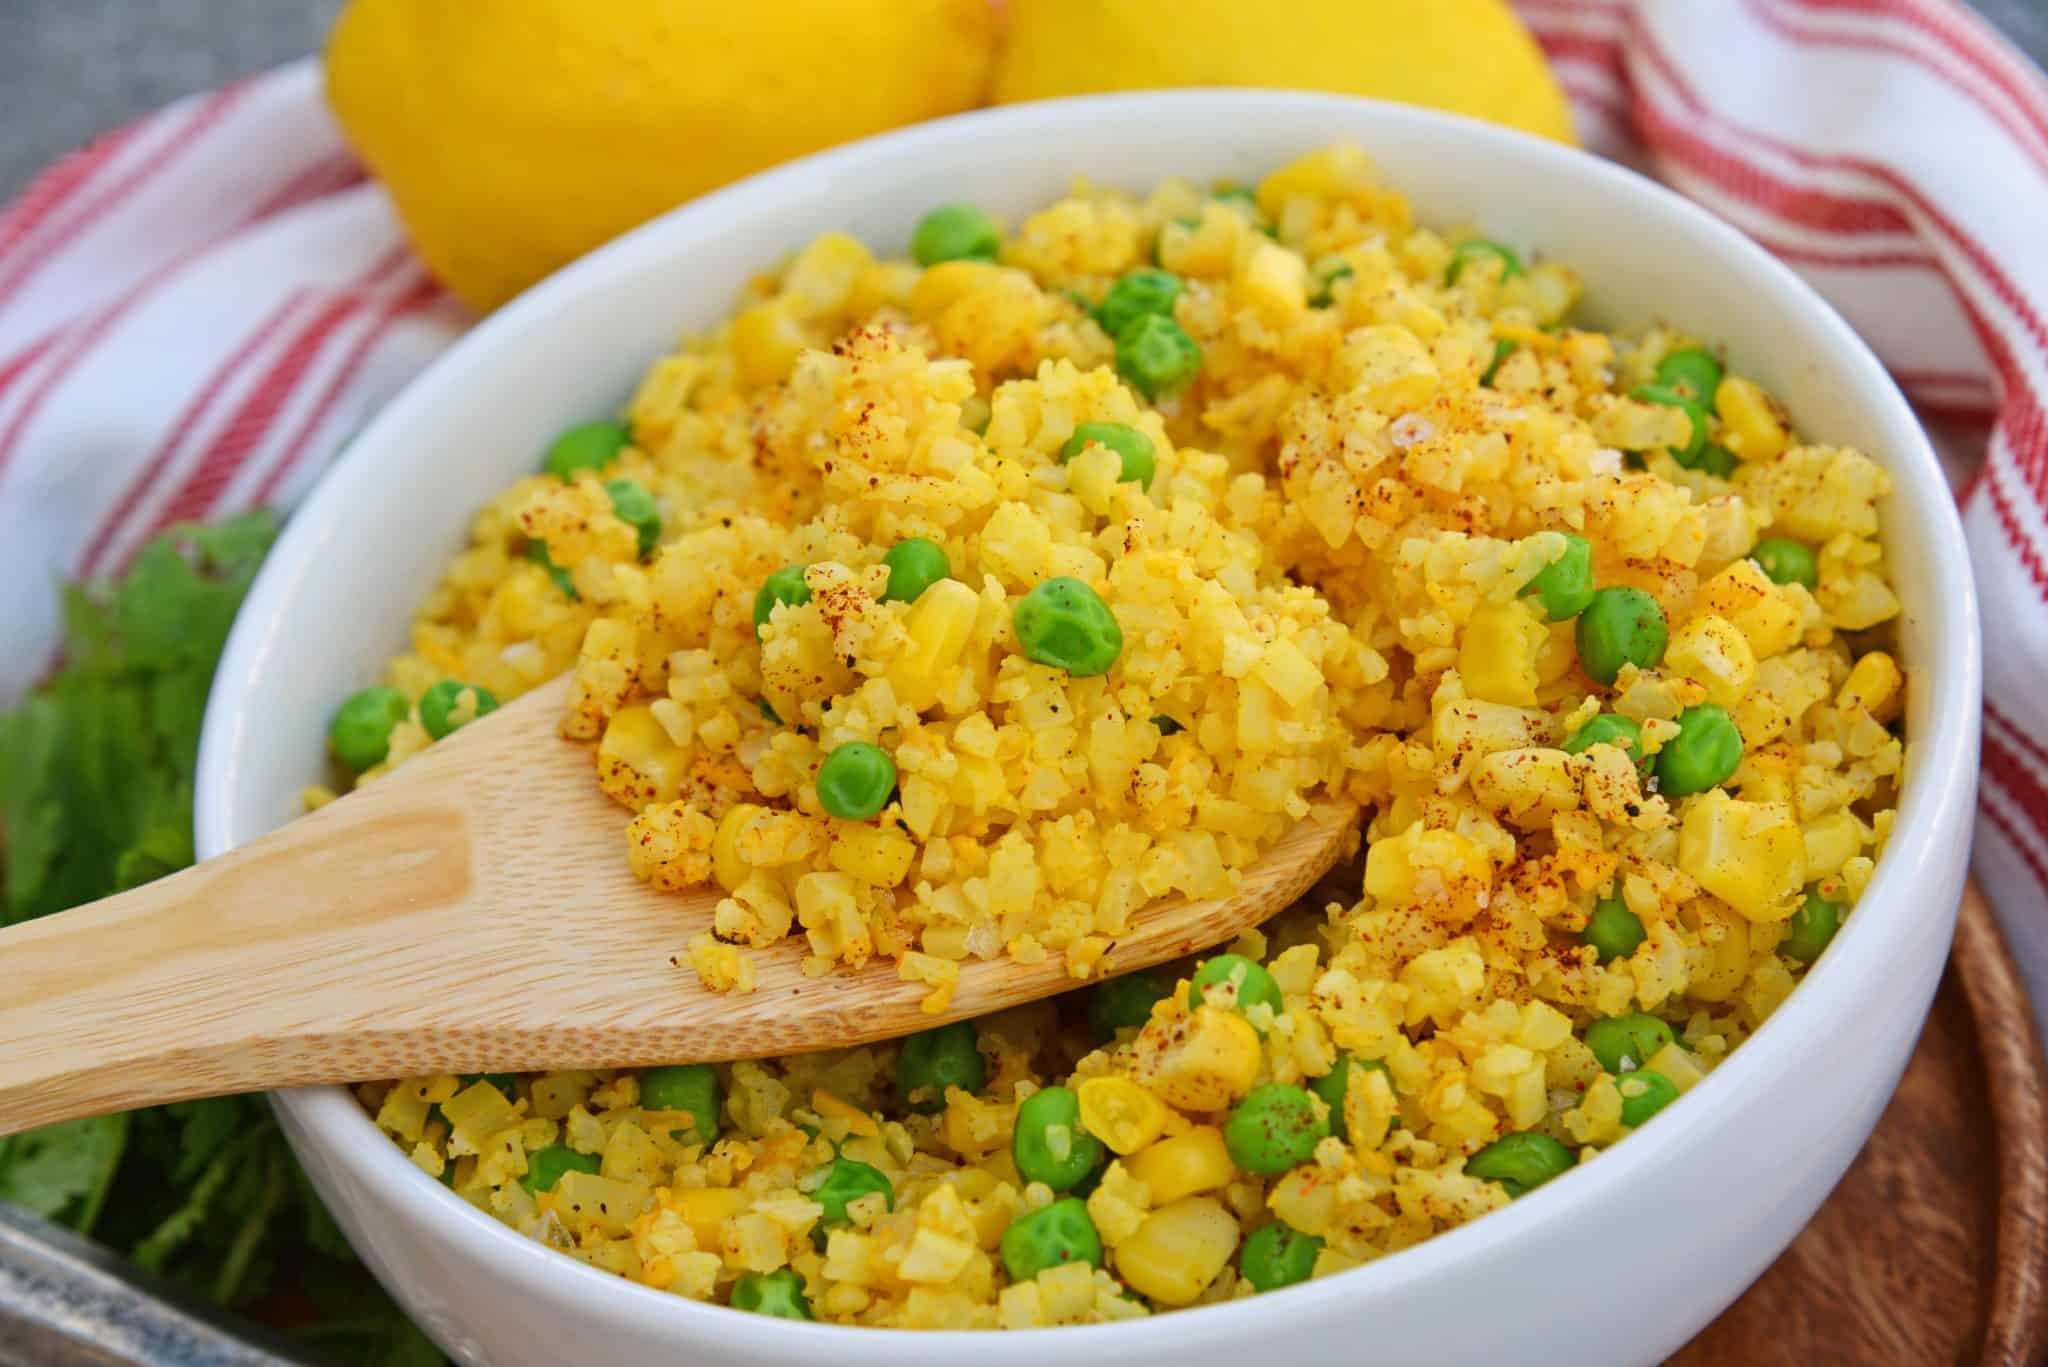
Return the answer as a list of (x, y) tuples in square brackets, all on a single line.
[(62, 1172), (96, 772), (96, 768)]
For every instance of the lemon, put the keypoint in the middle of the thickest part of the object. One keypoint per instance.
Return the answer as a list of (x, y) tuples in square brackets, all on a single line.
[(1468, 56), (515, 135)]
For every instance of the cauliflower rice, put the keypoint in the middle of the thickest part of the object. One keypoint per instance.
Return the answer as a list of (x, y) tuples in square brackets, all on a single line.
[(1325, 585)]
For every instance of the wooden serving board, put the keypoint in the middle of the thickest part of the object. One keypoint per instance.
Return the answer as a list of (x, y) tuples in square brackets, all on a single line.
[(1934, 1248)]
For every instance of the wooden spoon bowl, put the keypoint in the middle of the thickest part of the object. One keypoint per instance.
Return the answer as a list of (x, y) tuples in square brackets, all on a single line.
[(472, 911)]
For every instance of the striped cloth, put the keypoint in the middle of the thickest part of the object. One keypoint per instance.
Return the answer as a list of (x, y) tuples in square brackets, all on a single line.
[(197, 310)]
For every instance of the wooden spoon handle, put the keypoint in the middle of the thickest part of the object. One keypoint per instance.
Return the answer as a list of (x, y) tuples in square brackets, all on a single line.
[(207, 981), (473, 911)]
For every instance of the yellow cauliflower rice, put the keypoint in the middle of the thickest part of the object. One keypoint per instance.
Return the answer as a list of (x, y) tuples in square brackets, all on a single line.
[(943, 608)]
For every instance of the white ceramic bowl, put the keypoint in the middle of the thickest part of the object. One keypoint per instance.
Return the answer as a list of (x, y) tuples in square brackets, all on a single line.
[(1620, 1261)]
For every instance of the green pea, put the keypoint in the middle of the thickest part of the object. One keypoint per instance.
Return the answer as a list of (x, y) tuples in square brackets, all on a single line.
[(586, 446), (1717, 461), (855, 781), (1625, 1043), (1156, 356), (846, 1181), (1065, 624), (361, 730), (1565, 586), (955, 232), (545, 1168), (439, 702), (1134, 446), (1237, 194), (1520, 1162), (1049, 1144), (1476, 249), (1706, 750), (1060, 1233), (1785, 561), (1277, 1255), (1644, 1093), (930, 1062), (1613, 930), (1273, 1129), (634, 506), (914, 566), (1325, 294), (1811, 927), (537, 552), (785, 587), (1687, 455), (1254, 983), (1609, 728), (778, 1294), (1167, 725), (1692, 371), (1502, 349), (1123, 1003), (767, 711), (1334, 1085), (1144, 292), (1621, 626), (689, 1087)]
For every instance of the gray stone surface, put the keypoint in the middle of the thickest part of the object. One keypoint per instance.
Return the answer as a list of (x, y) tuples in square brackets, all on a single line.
[(69, 68), (2024, 21)]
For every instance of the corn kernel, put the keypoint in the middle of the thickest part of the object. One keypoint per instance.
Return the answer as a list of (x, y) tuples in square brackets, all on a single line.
[(1185, 1165), (945, 284), (1120, 1113), (1751, 855), (1387, 367), (1873, 686), (637, 761), (1831, 842), (939, 625), (1442, 870), (1767, 616), (1212, 1065), (1323, 174), (1288, 672), (1529, 787), (766, 340), (1711, 652), (850, 1119), (1751, 427), (1675, 1063), (706, 1209), (1179, 1250), (726, 864), (586, 1200), (826, 276), (880, 855), (1274, 281), (1497, 659)]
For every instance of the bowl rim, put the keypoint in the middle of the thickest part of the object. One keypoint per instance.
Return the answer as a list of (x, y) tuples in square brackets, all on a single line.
[(1940, 776)]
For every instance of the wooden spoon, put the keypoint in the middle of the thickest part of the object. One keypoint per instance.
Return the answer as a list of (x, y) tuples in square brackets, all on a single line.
[(471, 911)]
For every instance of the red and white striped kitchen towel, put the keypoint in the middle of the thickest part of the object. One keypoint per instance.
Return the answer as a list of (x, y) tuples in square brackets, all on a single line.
[(196, 311)]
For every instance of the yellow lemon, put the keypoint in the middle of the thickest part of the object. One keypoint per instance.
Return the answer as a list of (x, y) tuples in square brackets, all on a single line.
[(515, 135), (1467, 56)]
